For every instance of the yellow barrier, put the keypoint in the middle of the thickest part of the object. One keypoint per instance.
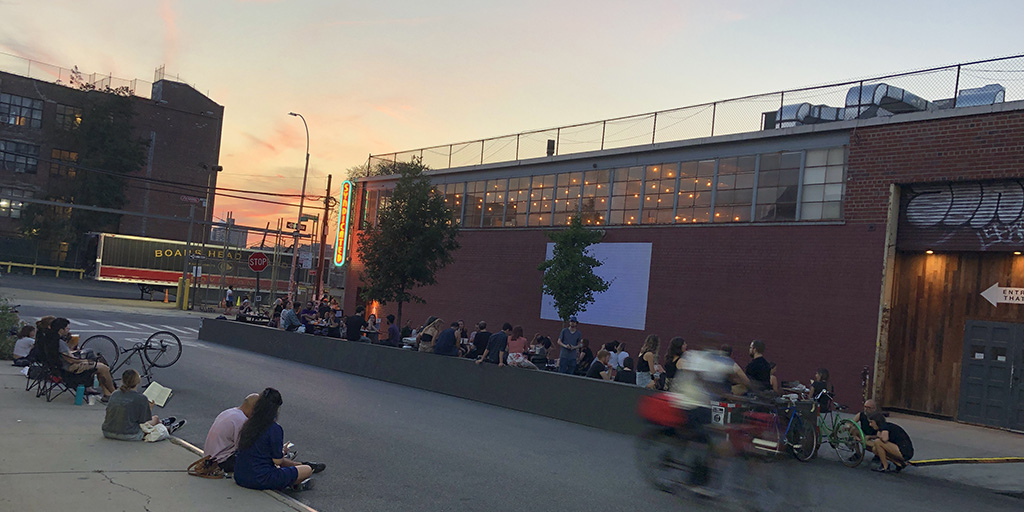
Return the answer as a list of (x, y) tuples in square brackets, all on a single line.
[(35, 267)]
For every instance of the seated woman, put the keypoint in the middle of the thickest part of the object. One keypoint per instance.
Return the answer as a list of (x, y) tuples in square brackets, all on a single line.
[(23, 347), (517, 344), (128, 410), (259, 461), (56, 353)]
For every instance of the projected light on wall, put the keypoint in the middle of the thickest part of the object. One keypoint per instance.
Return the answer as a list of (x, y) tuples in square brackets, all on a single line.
[(627, 266)]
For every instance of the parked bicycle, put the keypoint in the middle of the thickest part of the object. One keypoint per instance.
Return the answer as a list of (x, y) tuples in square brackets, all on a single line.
[(843, 435), (160, 350)]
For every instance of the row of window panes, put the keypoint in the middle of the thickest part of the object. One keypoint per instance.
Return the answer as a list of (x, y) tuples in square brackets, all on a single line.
[(21, 111), (59, 163), (12, 207), (19, 157), (672, 193)]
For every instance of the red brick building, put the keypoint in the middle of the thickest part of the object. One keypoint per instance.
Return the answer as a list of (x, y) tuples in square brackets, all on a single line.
[(181, 125), (810, 234)]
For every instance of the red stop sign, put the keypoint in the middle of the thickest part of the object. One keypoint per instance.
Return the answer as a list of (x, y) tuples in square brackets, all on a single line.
[(258, 262)]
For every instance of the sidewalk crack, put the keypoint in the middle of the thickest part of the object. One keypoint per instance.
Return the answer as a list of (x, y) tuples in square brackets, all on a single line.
[(111, 480)]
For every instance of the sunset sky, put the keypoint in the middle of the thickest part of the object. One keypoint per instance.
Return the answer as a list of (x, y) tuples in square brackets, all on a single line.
[(395, 75)]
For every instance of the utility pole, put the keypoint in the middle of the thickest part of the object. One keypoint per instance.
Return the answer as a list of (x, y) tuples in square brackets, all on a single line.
[(323, 239), (292, 289)]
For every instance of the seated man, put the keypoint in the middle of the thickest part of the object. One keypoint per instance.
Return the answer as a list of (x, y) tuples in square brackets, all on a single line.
[(893, 444), (222, 441), (308, 317), (290, 318), (599, 368), (446, 343)]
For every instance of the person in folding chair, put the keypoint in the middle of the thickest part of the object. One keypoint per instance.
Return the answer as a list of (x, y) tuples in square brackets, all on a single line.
[(60, 357)]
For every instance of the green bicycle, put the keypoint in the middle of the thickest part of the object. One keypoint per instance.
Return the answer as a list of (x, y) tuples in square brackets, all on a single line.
[(843, 435)]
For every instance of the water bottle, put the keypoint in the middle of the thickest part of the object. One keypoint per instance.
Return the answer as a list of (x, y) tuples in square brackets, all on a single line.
[(79, 394), (95, 382)]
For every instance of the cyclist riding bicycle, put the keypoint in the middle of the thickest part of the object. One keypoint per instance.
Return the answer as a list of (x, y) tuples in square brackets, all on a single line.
[(706, 377)]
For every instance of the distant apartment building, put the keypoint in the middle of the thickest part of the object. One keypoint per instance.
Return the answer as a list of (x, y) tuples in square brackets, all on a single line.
[(181, 125)]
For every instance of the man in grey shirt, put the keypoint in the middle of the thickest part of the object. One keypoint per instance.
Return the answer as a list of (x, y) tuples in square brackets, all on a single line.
[(569, 340), (290, 317)]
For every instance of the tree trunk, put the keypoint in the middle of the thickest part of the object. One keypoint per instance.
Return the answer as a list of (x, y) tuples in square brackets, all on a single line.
[(399, 324)]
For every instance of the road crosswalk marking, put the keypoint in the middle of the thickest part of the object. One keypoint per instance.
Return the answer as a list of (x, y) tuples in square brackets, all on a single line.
[(101, 327), (101, 324), (150, 327), (124, 324), (185, 330)]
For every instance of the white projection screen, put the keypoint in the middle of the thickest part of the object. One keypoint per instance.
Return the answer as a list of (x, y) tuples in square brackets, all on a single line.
[(627, 266)]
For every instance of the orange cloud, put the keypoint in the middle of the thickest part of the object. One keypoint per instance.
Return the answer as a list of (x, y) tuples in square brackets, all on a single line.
[(169, 18)]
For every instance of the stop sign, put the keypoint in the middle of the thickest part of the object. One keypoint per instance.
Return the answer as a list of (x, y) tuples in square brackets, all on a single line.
[(258, 262)]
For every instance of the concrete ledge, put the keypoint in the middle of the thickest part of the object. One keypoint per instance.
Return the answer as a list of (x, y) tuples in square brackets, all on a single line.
[(604, 405)]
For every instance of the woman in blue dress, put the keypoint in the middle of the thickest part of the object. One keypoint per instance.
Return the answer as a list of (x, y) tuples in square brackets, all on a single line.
[(260, 462)]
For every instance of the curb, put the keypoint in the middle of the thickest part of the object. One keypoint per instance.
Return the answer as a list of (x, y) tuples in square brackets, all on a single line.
[(279, 496)]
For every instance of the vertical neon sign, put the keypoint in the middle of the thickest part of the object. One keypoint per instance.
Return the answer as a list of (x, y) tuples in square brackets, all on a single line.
[(344, 218)]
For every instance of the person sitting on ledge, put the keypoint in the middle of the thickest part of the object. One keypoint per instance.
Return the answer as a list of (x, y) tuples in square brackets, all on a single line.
[(259, 461), (447, 343), (497, 346), (128, 410), (290, 318), (599, 368)]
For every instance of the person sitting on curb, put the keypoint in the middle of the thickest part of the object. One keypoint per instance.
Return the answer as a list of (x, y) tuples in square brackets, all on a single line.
[(128, 410), (260, 462), (23, 347), (599, 368), (222, 440), (892, 443), (497, 346)]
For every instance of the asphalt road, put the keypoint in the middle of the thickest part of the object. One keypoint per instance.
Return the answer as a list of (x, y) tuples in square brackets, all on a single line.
[(392, 448)]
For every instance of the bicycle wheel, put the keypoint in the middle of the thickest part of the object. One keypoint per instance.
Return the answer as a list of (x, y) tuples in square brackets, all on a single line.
[(848, 442), (801, 439), (162, 349), (103, 346), (665, 461)]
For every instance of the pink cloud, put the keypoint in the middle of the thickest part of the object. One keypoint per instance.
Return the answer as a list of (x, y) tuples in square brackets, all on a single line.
[(169, 18)]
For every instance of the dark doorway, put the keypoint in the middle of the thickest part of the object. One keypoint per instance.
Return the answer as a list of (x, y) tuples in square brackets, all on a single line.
[(991, 392)]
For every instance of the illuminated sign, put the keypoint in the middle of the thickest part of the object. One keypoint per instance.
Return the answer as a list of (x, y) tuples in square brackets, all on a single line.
[(344, 218)]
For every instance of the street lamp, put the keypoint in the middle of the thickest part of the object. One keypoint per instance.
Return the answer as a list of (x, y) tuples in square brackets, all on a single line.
[(302, 200)]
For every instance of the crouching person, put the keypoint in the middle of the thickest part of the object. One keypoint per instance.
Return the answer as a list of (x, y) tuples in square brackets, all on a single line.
[(892, 444), (260, 462), (129, 415)]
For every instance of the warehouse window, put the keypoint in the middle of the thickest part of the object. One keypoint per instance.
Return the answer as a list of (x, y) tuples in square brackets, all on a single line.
[(518, 205), (68, 117), (453, 199), (694, 195), (542, 197), (778, 179), (568, 190), (475, 193), (626, 190), (21, 111), (19, 157), (12, 207), (660, 193), (734, 189), (494, 203), (59, 163), (823, 185), (594, 203)]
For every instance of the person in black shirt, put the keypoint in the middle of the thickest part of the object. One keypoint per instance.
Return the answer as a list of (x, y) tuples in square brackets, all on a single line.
[(599, 368), (480, 338), (626, 374), (821, 390), (586, 357), (758, 369), (893, 444), (354, 326), (497, 346)]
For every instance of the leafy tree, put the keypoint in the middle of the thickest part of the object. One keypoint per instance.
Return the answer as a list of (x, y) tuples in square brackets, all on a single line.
[(107, 147), (569, 276), (414, 239)]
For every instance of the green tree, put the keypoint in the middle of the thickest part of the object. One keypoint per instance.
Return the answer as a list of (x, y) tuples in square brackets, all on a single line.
[(569, 276), (108, 151), (414, 239)]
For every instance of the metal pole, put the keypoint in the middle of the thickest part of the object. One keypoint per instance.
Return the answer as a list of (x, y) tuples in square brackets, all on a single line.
[(188, 239), (654, 129), (323, 239), (956, 86), (714, 109), (302, 199)]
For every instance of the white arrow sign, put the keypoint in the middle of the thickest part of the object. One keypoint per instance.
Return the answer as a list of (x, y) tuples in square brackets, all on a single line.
[(996, 294)]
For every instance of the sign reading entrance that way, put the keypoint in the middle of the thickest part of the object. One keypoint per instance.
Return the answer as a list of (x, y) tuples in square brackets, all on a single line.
[(997, 294)]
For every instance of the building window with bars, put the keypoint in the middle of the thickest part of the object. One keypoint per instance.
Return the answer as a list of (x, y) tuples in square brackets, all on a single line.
[(21, 111), (824, 184), (693, 200), (494, 203), (68, 117), (568, 190), (453, 199), (19, 157), (734, 190), (778, 181), (542, 197), (62, 163), (518, 205), (626, 190), (11, 207), (475, 194), (596, 191), (660, 193)]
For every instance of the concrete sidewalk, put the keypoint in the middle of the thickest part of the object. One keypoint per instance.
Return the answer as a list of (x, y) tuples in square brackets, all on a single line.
[(53, 457)]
